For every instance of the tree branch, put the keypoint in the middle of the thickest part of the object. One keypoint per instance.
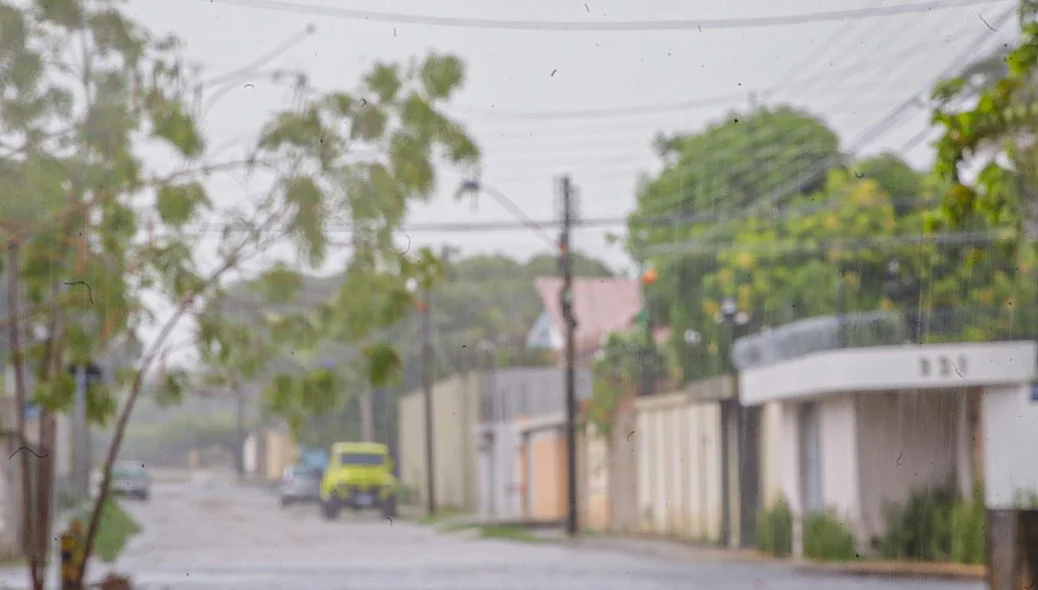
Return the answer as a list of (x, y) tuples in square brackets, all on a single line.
[(135, 390)]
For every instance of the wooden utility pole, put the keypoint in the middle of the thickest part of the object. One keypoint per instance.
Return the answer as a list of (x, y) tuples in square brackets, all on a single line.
[(427, 387), (566, 302)]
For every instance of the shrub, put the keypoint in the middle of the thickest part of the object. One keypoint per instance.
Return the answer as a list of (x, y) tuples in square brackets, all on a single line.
[(935, 525), (775, 529), (826, 538), (969, 531), (921, 528)]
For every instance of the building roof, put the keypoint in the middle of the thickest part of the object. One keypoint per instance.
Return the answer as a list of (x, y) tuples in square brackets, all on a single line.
[(601, 305)]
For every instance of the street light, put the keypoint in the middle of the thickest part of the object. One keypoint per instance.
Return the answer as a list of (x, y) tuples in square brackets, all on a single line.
[(743, 420), (649, 277), (730, 314), (692, 337)]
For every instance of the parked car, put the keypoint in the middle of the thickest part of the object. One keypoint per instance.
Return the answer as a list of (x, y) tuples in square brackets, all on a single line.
[(131, 479), (359, 476), (300, 483)]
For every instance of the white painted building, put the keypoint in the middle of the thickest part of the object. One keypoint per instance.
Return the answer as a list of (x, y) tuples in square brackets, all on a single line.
[(868, 426)]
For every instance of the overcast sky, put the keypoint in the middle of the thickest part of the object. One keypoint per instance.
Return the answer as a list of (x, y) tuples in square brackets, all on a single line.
[(587, 103)]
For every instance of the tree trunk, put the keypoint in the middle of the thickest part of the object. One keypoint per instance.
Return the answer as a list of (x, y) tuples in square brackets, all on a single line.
[(44, 493), (29, 524)]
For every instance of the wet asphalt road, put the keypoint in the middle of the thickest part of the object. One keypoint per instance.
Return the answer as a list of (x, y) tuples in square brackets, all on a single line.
[(215, 536)]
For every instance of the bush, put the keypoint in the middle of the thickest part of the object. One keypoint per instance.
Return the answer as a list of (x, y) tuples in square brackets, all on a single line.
[(935, 525), (969, 531), (921, 528), (826, 538), (775, 529)]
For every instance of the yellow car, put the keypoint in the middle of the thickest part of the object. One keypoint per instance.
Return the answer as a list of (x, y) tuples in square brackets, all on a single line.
[(358, 476)]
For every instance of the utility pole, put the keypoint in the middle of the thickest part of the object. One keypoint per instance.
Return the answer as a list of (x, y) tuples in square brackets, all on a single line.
[(427, 387), (566, 296)]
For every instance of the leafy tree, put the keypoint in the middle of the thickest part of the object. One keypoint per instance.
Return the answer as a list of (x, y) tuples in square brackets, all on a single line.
[(712, 175), (1004, 119), (992, 126), (485, 297), (709, 181), (615, 374), (83, 92)]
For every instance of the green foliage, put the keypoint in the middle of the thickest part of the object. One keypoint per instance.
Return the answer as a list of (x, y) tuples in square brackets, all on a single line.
[(935, 525), (177, 204), (775, 529), (116, 529), (615, 374), (474, 299), (997, 116), (822, 253), (383, 363), (732, 164), (169, 442), (826, 538), (921, 528), (969, 530), (1025, 499), (73, 128)]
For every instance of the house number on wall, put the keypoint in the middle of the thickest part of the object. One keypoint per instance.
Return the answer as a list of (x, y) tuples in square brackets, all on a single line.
[(943, 365)]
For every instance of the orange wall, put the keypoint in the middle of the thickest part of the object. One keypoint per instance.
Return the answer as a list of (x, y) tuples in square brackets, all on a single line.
[(547, 486)]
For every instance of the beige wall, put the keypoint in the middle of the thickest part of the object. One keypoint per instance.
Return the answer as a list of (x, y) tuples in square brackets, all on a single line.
[(906, 442), (455, 415), (679, 467), (595, 476), (771, 456), (281, 452)]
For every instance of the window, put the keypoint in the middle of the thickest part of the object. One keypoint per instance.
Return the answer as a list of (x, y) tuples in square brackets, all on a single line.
[(361, 459)]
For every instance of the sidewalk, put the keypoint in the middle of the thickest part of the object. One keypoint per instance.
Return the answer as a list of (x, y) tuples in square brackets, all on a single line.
[(679, 551), (683, 552)]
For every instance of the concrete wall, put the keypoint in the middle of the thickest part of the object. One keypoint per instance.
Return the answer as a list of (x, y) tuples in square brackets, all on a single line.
[(679, 467), (456, 408), (875, 450), (281, 452), (907, 441), (839, 445), (623, 469), (595, 478), (1009, 416), (772, 431)]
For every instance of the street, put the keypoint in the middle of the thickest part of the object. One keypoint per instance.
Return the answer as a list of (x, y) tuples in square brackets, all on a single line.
[(209, 535)]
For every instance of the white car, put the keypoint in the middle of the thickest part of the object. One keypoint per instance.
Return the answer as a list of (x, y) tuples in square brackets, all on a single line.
[(129, 479)]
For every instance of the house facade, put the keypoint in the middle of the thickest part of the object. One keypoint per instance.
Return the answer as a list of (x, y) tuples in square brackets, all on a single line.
[(521, 442), (456, 410), (865, 428)]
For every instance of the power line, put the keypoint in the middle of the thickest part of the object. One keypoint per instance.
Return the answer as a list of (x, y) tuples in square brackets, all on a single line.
[(867, 136), (572, 26), (837, 36), (870, 135), (800, 83), (526, 223), (794, 246)]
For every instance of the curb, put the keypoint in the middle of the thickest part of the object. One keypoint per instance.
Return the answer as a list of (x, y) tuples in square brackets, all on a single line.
[(899, 569), (663, 548)]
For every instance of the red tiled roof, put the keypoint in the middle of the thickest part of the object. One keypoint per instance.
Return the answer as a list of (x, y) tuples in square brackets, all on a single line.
[(600, 304)]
